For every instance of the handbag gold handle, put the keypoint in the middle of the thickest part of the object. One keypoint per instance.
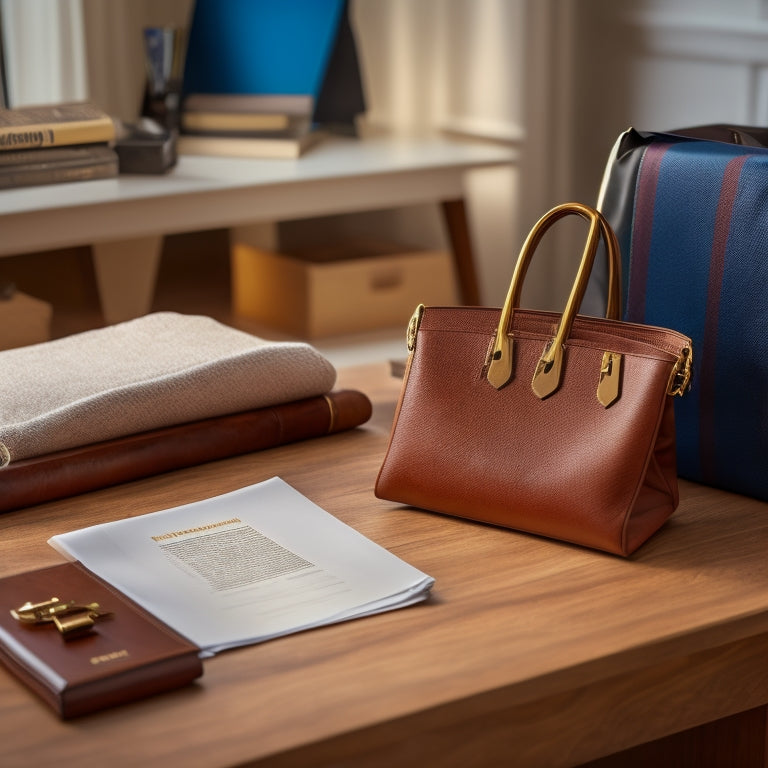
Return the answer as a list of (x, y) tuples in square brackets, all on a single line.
[(546, 378)]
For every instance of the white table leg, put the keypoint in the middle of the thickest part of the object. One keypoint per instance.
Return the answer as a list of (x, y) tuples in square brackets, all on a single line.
[(126, 271)]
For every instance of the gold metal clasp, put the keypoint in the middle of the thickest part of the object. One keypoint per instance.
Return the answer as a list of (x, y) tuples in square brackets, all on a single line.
[(70, 618), (610, 378), (500, 363), (546, 377), (680, 379), (413, 327)]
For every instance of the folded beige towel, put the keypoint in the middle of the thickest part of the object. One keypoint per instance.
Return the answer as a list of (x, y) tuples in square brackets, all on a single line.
[(156, 371)]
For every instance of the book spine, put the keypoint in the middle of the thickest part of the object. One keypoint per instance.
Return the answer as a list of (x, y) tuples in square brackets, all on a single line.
[(74, 154), (234, 146), (292, 104), (28, 177), (207, 121), (56, 134), (68, 473)]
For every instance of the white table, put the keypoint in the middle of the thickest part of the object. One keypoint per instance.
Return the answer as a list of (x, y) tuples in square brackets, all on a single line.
[(124, 219)]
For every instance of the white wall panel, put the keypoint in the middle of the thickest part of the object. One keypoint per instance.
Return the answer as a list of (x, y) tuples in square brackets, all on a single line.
[(673, 92), (660, 65), (759, 114)]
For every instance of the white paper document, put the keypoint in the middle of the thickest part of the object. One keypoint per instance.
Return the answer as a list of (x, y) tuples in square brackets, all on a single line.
[(245, 567)]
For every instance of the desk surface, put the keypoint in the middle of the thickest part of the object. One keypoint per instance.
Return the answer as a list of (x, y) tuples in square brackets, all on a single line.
[(211, 192), (528, 649)]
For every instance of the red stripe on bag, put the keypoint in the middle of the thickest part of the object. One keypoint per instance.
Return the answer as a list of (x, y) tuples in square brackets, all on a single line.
[(642, 229), (728, 191)]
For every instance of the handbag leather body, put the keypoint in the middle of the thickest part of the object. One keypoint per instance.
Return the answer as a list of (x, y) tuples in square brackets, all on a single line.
[(556, 425), (690, 210)]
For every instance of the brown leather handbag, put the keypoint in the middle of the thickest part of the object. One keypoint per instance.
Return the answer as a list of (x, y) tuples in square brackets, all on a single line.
[(557, 425)]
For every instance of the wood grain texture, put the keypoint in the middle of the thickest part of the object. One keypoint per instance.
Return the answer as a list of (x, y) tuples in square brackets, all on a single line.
[(530, 652)]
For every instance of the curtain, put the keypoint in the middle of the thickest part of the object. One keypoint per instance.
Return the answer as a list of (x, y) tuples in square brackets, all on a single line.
[(453, 66), (449, 64), (44, 46)]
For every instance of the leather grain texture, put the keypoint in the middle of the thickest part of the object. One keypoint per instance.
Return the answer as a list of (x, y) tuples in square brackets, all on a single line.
[(127, 656), (564, 467)]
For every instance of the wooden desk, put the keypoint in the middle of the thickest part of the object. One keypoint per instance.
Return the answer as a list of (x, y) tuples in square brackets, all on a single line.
[(529, 653), (124, 219)]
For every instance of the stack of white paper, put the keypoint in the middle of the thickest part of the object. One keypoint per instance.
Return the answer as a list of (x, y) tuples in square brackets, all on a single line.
[(246, 566)]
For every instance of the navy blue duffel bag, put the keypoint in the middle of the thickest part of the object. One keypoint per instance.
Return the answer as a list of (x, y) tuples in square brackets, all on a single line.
[(690, 210)]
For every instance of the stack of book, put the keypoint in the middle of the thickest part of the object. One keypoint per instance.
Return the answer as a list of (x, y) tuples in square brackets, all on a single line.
[(55, 143), (247, 125)]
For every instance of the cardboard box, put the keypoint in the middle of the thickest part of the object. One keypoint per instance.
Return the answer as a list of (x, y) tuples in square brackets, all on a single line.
[(24, 320), (338, 290)]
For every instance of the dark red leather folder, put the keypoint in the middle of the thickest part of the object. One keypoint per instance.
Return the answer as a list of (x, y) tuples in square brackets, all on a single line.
[(127, 655)]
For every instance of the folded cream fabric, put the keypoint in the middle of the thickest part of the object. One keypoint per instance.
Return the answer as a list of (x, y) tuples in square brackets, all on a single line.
[(156, 371)]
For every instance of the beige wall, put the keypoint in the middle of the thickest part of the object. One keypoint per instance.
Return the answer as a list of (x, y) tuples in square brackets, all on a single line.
[(663, 65), (557, 78)]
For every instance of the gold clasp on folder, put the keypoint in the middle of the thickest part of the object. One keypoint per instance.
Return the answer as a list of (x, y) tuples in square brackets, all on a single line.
[(70, 618)]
